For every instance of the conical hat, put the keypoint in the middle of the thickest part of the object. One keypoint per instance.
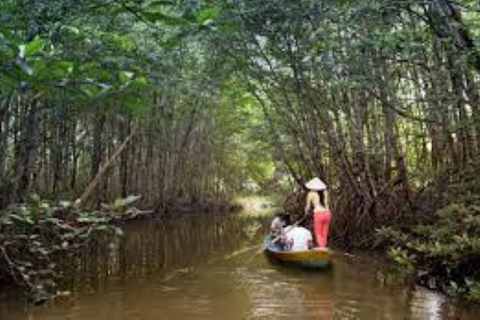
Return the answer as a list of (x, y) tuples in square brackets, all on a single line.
[(316, 184)]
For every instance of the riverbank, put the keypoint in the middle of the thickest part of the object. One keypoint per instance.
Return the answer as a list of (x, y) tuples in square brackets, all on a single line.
[(38, 236), (438, 247)]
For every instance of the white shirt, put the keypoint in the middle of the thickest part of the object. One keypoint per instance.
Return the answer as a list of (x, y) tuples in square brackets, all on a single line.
[(300, 237)]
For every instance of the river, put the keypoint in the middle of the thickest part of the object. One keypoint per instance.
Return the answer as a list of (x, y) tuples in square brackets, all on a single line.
[(209, 268)]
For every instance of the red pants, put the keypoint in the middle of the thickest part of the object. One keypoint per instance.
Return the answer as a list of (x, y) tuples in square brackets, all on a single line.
[(321, 226)]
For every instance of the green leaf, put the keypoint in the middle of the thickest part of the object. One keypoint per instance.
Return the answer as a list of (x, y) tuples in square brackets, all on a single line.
[(22, 218), (139, 82), (207, 14), (56, 70), (126, 76), (7, 33), (96, 91), (166, 19), (34, 47)]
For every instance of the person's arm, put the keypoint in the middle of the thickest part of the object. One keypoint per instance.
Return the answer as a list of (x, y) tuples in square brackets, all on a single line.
[(326, 200), (308, 204)]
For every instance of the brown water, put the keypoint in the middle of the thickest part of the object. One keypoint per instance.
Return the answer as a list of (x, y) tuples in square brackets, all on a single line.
[(196, 269)]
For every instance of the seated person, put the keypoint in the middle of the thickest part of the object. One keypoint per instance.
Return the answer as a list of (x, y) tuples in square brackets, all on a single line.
[(298, 238), (277, 226), (278, 223)]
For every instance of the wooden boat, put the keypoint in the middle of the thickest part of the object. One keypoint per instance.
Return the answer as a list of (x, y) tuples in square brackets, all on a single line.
[(315, 258)]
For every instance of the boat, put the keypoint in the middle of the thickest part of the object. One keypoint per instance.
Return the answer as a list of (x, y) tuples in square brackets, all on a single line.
[(315, 258)]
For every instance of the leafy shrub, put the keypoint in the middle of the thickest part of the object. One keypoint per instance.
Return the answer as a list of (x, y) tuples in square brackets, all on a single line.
[(445, 254), (34, 235)]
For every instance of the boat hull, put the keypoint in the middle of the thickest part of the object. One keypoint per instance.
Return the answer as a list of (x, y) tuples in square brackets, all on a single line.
[(310, 259)]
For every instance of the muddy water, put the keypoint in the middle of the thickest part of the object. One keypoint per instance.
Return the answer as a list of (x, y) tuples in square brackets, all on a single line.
[(197, 268)]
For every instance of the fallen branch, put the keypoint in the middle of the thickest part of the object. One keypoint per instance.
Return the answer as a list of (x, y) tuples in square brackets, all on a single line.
[(101, 171)]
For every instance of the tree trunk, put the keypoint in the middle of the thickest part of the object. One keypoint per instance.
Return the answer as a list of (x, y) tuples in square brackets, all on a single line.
[(28, 152)]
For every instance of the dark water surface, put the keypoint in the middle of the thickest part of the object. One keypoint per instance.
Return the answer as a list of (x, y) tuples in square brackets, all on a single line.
[(196, 268)]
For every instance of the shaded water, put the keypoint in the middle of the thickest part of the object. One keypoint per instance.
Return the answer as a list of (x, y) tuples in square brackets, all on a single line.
[(195, 269)]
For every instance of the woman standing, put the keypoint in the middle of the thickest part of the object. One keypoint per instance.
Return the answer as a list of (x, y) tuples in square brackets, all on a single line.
[(321, 213)]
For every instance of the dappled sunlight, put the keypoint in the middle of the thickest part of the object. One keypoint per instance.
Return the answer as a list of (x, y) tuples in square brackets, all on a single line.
[(259, 205)]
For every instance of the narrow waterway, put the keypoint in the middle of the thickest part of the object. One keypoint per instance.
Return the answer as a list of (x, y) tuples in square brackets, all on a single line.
[(198, 268)]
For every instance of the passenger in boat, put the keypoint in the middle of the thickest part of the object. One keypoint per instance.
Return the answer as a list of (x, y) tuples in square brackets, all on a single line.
[(278, 223), (277, 226), (298, 237), (321, 214)]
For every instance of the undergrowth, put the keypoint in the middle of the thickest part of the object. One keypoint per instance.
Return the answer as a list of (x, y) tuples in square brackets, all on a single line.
[(440, 249), (36, 237)]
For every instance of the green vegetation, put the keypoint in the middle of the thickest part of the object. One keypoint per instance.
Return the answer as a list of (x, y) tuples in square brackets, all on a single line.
[(36, 236), (79, 80), (442, 255), (193, 102), (440, 249)]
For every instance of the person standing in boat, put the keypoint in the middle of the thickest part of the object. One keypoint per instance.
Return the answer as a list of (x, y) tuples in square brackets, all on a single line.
[(321, 213)]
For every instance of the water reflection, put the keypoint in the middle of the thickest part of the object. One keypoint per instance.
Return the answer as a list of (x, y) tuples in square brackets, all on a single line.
[(276, 293), (184, 269)]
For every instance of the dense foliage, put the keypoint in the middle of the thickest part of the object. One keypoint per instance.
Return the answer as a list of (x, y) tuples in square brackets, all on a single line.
[(440, 248), (379, 98), (443, 255), (181, 101), (79, 80)]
